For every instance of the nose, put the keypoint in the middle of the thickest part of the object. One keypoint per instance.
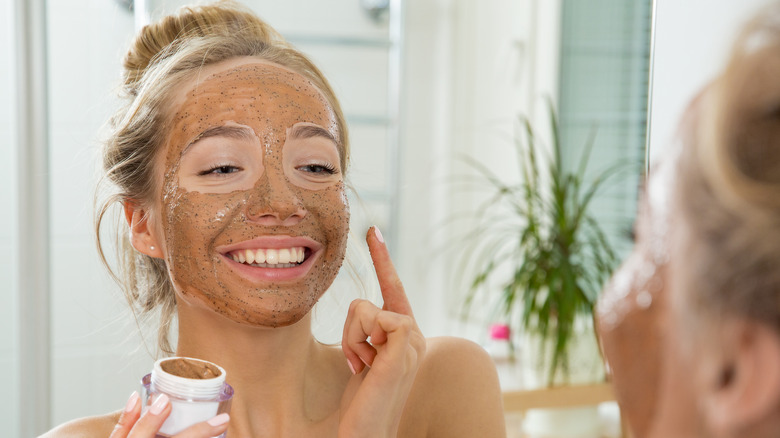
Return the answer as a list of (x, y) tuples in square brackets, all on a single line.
[(274, 202)]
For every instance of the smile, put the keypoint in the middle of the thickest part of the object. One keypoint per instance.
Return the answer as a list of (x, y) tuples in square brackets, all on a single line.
[(270, 257)]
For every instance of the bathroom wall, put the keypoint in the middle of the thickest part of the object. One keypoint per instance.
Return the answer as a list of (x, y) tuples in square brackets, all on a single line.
[(692, 43), (9, 348), (96, 362)]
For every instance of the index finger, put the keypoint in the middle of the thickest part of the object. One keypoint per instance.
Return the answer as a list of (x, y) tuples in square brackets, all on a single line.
[(392, 290)]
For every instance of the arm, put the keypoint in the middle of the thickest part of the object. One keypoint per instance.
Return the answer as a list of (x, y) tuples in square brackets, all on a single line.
[(100, 426), (400, 388), (458, 392), (130, 423)]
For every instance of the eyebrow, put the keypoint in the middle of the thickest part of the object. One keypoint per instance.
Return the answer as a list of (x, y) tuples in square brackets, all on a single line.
[(237, 132), (309, 131)]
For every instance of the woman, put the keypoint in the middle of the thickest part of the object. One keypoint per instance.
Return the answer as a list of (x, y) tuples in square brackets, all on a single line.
[(691, 323), (229, 159)]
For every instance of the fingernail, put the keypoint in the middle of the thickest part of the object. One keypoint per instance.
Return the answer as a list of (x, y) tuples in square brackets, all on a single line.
[(159, 404), (351, 367), (219, 420), (131, 402), (378, 234)]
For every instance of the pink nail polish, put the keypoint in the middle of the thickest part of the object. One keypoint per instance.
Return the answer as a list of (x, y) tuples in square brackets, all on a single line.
[(219, 420), (131, 402), (378, 234), (351, 367), (159, 404)]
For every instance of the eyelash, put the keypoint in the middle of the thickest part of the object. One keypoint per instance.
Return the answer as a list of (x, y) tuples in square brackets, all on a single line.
[(222, 167), (630, 233), (326, 168)]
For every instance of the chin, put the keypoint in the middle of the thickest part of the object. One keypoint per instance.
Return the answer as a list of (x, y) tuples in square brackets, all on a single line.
[(266, 309)]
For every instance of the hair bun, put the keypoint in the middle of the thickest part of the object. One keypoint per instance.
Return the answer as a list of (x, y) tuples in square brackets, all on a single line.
[(746, 166), (158, 39)]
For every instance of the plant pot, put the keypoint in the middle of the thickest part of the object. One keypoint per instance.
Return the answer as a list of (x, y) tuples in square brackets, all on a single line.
[(585, 367)]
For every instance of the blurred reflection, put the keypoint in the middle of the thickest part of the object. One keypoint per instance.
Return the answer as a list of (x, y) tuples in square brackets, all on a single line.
[(690, 324)]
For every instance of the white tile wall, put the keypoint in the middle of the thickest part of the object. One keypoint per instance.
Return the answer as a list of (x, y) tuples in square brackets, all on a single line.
[(94, 381), (73, 162), (685, 61), (358, 75), (95, 359), (368, 149), (302, 17)]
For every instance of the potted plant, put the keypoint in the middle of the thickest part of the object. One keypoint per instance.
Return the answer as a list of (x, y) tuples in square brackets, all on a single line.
[(538, 258)]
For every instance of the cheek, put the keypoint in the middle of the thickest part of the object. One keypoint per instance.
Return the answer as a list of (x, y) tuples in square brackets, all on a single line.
[(634, 286), (630, 323), (331, 208), (193, 222)]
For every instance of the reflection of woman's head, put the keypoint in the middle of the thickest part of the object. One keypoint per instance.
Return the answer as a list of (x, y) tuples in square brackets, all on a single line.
[(699, 300), (726, 262), (220, 72), (729, 192)]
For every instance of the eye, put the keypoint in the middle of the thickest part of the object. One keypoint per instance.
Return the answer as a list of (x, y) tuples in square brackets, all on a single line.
[(318, 169), (222, 169), (630, 232)]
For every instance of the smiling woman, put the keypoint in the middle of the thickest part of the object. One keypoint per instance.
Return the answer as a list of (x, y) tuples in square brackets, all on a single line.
[(228, 160)]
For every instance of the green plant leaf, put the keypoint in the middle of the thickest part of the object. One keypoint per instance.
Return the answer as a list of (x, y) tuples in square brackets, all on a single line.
[(538, 253)]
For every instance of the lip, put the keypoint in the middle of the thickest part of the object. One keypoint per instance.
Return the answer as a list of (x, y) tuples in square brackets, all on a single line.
[(259, 275)]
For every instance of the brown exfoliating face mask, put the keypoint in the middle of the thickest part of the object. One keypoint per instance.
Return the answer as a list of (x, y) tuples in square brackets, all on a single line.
[(254, 212), (190, 369)]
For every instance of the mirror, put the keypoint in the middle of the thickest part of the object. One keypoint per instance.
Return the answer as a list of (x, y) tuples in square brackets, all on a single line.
[(423, 85)]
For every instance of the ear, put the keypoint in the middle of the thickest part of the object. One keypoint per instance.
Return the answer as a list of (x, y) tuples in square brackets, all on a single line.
[(747, 391), (142, 235)]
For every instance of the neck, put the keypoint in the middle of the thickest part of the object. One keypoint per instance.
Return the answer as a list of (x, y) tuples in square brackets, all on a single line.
[(277, 373)]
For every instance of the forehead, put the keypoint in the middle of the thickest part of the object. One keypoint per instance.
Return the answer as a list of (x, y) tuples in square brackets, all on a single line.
[(249, 91)]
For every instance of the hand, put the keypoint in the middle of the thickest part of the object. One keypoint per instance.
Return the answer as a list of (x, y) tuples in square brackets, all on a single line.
[(388, 342), (134, 425)]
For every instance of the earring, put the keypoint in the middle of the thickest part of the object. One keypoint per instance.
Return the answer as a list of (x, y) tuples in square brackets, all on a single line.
[(151, 248)]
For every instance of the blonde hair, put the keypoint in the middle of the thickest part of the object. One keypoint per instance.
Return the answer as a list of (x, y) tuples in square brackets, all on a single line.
[(729, 192), (162, 56)]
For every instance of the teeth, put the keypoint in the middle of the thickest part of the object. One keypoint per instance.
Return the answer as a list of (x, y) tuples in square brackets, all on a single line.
[(281, 258), (278, 265)]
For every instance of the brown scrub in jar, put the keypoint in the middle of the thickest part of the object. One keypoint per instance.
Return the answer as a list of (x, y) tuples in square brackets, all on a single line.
[(190, 369), (254, 213)]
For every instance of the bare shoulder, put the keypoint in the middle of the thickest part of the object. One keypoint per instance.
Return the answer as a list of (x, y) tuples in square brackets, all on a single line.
[(98, 426), (456, 392)]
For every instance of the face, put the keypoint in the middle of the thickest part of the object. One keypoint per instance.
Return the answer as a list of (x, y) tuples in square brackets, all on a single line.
[(253, 209), (639, 331)]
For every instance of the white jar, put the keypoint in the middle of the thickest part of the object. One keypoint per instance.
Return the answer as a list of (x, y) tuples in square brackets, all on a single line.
[(196, 389)]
